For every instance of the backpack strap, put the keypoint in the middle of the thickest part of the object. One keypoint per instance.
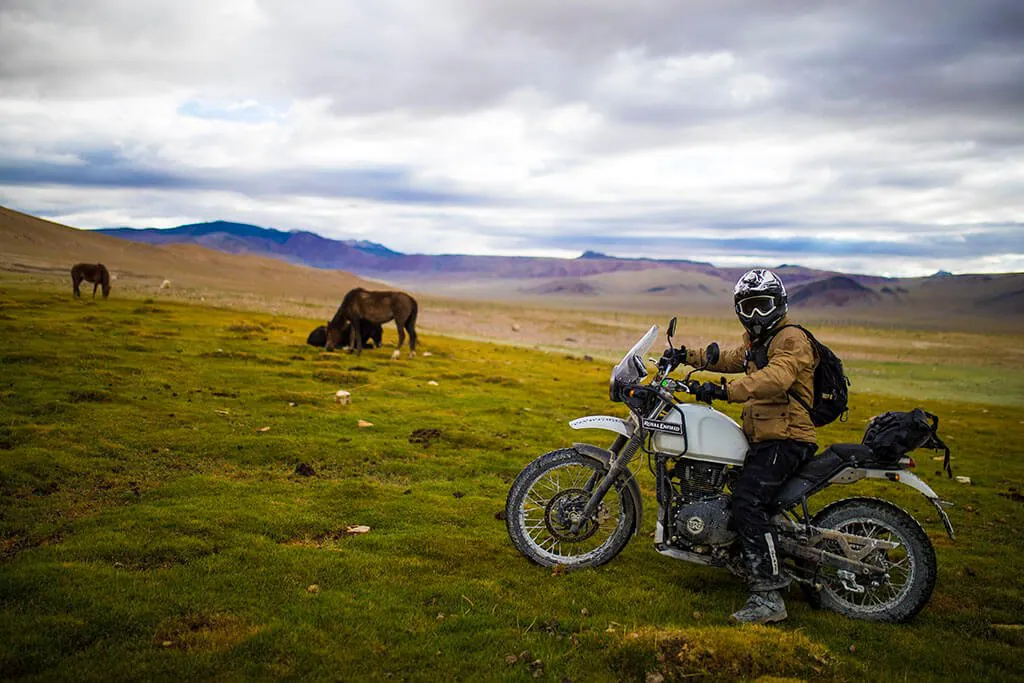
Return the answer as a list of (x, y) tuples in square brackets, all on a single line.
[(936, 443), (814, 342)]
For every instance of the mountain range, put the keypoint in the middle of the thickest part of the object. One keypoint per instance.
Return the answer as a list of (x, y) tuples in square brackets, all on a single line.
[(271, 264), (594, 276)]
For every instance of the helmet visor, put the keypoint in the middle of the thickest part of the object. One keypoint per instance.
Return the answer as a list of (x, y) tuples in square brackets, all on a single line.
[(755, 305)]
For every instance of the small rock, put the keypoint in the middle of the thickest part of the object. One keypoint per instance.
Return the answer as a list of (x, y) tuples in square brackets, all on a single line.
[(588, 358), (343, 397), (654, 677), (312, 588), (433, 383), (458, 494), (364, 423), (584, 612), (427, 354), (262, 429), (697, 616), (515, 327), (511, 659), (963, 480), (525, 656), (292, 404), (354, 529)]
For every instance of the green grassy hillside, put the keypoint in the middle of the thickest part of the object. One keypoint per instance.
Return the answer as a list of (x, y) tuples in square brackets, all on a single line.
[(176, 483)]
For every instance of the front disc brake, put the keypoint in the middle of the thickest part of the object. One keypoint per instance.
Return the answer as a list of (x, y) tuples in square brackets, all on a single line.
[(564, 510)]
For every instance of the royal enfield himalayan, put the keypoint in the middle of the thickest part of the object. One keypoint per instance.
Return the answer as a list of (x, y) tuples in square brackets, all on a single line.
[(578, 507)]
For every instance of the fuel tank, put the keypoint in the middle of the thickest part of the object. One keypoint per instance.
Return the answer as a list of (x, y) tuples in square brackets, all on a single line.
[(709, 435)]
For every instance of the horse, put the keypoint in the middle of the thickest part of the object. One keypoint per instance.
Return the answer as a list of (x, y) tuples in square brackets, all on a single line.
[(370, 332), (376, 307), (95, 273)]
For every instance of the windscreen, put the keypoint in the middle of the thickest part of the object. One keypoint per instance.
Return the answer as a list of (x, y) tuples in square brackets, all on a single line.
[(628, 370)]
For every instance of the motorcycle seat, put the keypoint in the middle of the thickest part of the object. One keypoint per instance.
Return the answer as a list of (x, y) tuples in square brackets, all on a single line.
[(816, 472), (853, 453)]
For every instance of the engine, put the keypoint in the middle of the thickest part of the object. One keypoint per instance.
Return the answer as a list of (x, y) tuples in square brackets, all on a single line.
[(705, 522), (700, 509), (697, 480)]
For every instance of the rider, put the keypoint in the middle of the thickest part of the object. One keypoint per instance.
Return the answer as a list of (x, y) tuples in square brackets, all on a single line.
[(779, 362)]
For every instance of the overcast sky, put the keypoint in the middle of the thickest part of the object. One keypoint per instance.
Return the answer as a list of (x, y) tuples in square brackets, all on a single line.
[(875, 137)]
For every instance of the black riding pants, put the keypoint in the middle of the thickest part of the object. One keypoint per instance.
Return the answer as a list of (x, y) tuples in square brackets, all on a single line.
[(768, 466)]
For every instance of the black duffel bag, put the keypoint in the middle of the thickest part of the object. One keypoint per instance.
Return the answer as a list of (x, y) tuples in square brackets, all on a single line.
[(890, 436)]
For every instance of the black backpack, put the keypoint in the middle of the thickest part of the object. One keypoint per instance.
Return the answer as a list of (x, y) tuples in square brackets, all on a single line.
[(892, 435), (831, 395)]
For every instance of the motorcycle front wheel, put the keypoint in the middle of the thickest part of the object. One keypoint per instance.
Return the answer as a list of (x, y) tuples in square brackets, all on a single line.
[(547, 498), (911, 567)]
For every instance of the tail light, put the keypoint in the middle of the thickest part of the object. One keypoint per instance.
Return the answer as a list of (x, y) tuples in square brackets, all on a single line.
[(907, 462)]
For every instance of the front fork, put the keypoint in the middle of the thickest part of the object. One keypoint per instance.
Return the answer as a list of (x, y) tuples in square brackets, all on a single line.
[(619, 465)]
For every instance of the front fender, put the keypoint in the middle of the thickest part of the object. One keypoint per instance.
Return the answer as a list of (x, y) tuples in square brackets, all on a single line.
[(603, 457), (612, 424)]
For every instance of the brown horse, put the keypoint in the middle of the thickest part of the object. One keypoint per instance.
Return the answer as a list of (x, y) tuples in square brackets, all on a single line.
[(96, 273), (375, 307)]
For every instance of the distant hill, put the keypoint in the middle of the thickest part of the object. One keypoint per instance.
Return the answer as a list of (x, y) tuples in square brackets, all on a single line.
[(838, 290), (376, 260), (305, 248), (33, 245)]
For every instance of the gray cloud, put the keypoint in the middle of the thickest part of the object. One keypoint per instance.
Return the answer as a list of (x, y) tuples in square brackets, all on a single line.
[(868, 116)]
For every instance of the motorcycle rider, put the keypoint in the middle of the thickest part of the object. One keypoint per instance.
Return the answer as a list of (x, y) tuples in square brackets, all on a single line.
[(779, 363)]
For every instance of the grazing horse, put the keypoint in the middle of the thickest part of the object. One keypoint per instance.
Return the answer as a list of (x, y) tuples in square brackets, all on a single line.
[(96, 273), (370, 332), (376, 307)]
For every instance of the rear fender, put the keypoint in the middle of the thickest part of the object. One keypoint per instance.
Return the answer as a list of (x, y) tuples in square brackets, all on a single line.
[(603, 457), (852, 474)]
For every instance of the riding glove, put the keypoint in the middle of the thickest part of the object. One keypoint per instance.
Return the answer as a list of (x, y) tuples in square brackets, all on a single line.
[(709, 391), (672, 358)]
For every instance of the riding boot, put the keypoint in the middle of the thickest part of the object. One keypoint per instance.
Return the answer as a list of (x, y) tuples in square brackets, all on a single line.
[(762, 607)]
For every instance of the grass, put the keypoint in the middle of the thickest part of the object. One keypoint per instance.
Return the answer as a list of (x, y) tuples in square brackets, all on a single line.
[(158, 517)]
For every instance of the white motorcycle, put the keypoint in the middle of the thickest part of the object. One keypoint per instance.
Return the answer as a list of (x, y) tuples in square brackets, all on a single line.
[(578, 507)]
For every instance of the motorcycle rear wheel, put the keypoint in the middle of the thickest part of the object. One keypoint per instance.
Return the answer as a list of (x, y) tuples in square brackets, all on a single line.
[(912, 567), (546, 498)]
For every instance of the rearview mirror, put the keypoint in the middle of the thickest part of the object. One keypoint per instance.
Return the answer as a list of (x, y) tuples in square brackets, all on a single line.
[(711, 353), (671, 328)]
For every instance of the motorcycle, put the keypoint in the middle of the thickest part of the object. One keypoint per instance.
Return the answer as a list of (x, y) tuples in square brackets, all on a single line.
[(579, 507)]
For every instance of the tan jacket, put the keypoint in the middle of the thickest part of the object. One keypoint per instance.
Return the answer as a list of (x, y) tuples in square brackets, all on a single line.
[(768, 410)]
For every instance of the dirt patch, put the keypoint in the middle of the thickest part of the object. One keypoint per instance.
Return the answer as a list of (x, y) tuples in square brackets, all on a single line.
[(204, 632), (425, 436), (326, 541), (1014, 495), (719, 654), (89, 396), (340, 378)]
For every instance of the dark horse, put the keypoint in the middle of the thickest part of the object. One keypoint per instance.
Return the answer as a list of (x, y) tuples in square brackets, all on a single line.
[(96, 273), (376, 307), (370, 332)]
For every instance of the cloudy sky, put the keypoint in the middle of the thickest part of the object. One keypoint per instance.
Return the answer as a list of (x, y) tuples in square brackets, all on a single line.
[(867, 136)]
